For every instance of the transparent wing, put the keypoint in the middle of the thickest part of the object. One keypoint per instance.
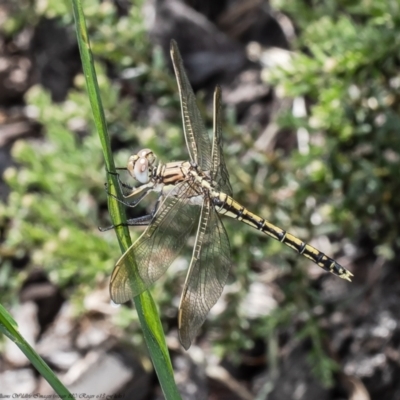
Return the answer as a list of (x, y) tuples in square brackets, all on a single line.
[(207, 274), (219, 173), (150, 256), (196, 136)]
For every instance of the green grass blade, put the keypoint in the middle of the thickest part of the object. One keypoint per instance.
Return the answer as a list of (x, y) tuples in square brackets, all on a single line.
[(145, 306), (10, 328)]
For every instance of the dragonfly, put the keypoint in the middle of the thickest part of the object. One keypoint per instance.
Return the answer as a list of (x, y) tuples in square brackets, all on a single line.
[(192, 196)]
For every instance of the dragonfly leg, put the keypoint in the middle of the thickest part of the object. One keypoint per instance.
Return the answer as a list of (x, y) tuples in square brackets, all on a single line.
[(107, 228), (142, 191), (138, 221), (146, 219), (124, 185), (121, 184)]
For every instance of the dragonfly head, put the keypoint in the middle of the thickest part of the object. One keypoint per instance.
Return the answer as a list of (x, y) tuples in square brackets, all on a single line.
[(141, 164)]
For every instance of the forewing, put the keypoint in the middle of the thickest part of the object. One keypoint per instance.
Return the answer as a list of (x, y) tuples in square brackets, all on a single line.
[(196, 136), (219, 173), (207, 274), (150, 256)]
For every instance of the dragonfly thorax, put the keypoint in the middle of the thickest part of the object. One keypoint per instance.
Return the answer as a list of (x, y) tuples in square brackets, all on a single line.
[(141, 165)]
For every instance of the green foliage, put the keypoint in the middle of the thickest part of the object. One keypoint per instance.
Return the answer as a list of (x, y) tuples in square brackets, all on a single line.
[(348, 74), (59, 182), (351, 79), (55, 190), (57, 187), (9, 328), (348, 176)]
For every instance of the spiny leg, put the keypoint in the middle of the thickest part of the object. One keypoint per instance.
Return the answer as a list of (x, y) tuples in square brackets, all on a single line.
[(138, 221), (121, 184), (134, 202)]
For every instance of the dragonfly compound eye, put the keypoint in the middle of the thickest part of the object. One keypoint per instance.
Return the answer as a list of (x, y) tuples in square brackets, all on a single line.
[(148, 154), (131, 164), (138, 168), (141, 170)]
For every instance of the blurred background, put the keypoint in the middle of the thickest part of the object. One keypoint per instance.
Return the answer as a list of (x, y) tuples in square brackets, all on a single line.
[(311, 93)]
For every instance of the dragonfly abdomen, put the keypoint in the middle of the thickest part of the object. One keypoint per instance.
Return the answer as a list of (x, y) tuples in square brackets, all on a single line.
[(226, 205)]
